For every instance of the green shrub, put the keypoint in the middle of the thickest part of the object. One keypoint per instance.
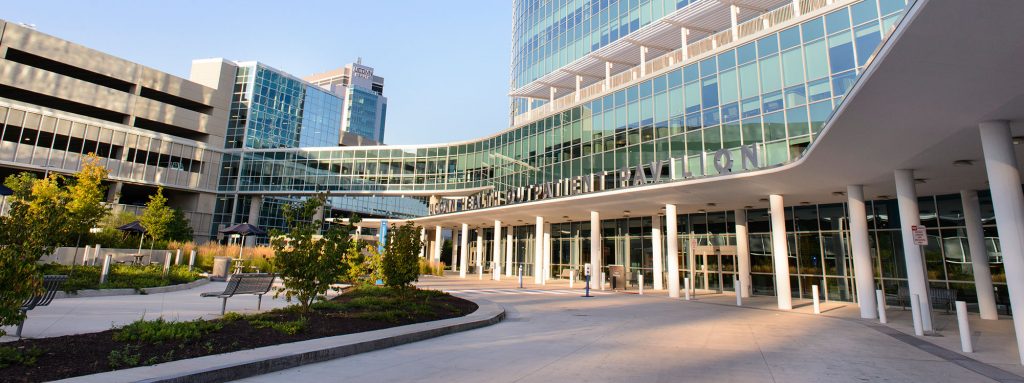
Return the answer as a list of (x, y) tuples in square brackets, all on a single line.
[(428, 268), (401, 255), (128, 356), (121, 276), (10, 356), (159, 330), (285, 327)]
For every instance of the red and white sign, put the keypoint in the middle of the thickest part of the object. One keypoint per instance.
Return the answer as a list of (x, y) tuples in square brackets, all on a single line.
[(920, 235)]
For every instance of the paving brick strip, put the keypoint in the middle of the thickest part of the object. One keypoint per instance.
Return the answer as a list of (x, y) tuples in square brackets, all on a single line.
[(263, 360)]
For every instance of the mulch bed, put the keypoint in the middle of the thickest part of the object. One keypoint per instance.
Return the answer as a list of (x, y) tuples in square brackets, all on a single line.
[(83, 354)]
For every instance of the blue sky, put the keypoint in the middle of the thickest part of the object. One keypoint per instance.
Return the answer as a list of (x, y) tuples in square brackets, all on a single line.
[(444, 63)]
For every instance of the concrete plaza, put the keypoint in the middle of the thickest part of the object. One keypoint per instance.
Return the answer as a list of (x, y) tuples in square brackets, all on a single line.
[(551, 334)]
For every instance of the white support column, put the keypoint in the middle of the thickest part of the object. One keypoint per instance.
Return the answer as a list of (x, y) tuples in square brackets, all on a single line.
[(979, 255), (734, 13), (643, 61), (579, 81), (780, 253), (547, 253), (463, 251), (672, 250), (863, 267), (743, 253), (551, 98), (656, 254), (595, 249), (1008, 203), (479, 250), (508, 251), (607, 76), (255, 207), (538, 251), (456, 248), (496, 247), (685, 36), (438, 241), (796, 8), (917, 277)]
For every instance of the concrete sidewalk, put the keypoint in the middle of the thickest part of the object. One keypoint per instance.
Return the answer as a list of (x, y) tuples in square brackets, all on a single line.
[(85, 315)]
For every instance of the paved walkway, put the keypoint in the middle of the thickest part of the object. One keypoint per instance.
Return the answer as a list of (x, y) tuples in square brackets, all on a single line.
[(83, 315), (552, 334)]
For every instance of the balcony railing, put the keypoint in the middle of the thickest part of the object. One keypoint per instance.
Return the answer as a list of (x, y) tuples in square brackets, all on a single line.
[(696, 50)]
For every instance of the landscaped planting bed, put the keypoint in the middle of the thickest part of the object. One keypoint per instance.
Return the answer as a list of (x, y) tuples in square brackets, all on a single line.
[(120, 277), (150, 342)]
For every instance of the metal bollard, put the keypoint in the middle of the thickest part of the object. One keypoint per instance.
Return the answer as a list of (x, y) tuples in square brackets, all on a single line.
[(915, 311), (191, 259), (480, 272), (106, 268), (96, 253), (736, 286), (640, 281), (814, 296), (520, 276), (572, 277), (167, 262), (497, 273), (686, 287), (85, 257), (880, 298), (965, 327), (177, 257), (601, 281)]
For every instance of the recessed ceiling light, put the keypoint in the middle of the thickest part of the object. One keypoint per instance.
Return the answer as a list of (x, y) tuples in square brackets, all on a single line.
[(712, 204), (884, 196), (963, 163), (748, 207), (702, 211), (920, 180), (763, 200), (838, 193), (565, 216), (805, 203)]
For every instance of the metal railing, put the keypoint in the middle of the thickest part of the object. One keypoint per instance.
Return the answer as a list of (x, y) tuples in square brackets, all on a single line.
[(694, 50)]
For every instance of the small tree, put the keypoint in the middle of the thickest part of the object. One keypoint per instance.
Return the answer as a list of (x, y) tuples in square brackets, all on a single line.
[(179, 229), (85, 207), (401, 255), (307, 264), (157, 216), (364, 265), (29, 231)]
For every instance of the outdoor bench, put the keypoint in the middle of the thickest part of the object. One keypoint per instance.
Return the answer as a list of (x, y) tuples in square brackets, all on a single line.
[(244, 284), (944, 297), (51, 284)]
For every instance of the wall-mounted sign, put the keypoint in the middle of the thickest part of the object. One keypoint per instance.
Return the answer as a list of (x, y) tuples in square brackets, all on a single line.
[(363, 72), (920, 235), (644, 174)]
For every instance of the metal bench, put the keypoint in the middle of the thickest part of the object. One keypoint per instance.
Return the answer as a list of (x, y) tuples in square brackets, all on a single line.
[(244, 284), (51, 284), (944, 297)]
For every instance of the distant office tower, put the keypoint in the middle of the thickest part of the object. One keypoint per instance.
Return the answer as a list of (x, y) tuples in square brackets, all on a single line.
[(365, 106)]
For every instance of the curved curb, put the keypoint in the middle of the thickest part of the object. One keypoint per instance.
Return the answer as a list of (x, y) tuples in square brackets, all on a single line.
[(120, 292), (263, 360)]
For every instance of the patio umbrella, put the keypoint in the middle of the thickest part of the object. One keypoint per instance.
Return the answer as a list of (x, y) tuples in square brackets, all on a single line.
[(134, 227), (5, 191), (243, 229)]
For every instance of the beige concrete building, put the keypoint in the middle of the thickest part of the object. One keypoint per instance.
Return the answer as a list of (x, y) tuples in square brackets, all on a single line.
[(60, 101)]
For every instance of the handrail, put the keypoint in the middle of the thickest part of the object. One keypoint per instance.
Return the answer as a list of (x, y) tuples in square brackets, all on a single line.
[(694, 50)]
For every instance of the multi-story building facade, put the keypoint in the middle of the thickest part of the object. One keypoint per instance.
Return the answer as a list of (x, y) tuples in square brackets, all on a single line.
[(365, 107), (763, 146)]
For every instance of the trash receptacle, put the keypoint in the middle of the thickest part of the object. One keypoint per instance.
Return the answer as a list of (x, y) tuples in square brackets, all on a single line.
[(221, 268), (617, 276)]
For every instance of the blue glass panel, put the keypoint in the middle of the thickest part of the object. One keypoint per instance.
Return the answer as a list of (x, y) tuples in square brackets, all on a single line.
[(631, 93), (789, 38), (693, 121), (796, 118), (727, 60), (772, 102), (775, 126), (620, 98), (730, 112), (645, 89), (840, 52), (820, 113), (868, 39), (709, 92), (843, 82), (863, 12), (796, 95), (675, 78), (751, 107), (660, 84), (890, 6), (837, 21), (767, 45), (711, 117), (746, 53), (609, 102), (708, 67), (813, 29), (690, 73)]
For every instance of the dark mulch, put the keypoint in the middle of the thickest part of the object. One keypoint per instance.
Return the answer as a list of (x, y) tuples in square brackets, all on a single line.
[(76, 355)]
